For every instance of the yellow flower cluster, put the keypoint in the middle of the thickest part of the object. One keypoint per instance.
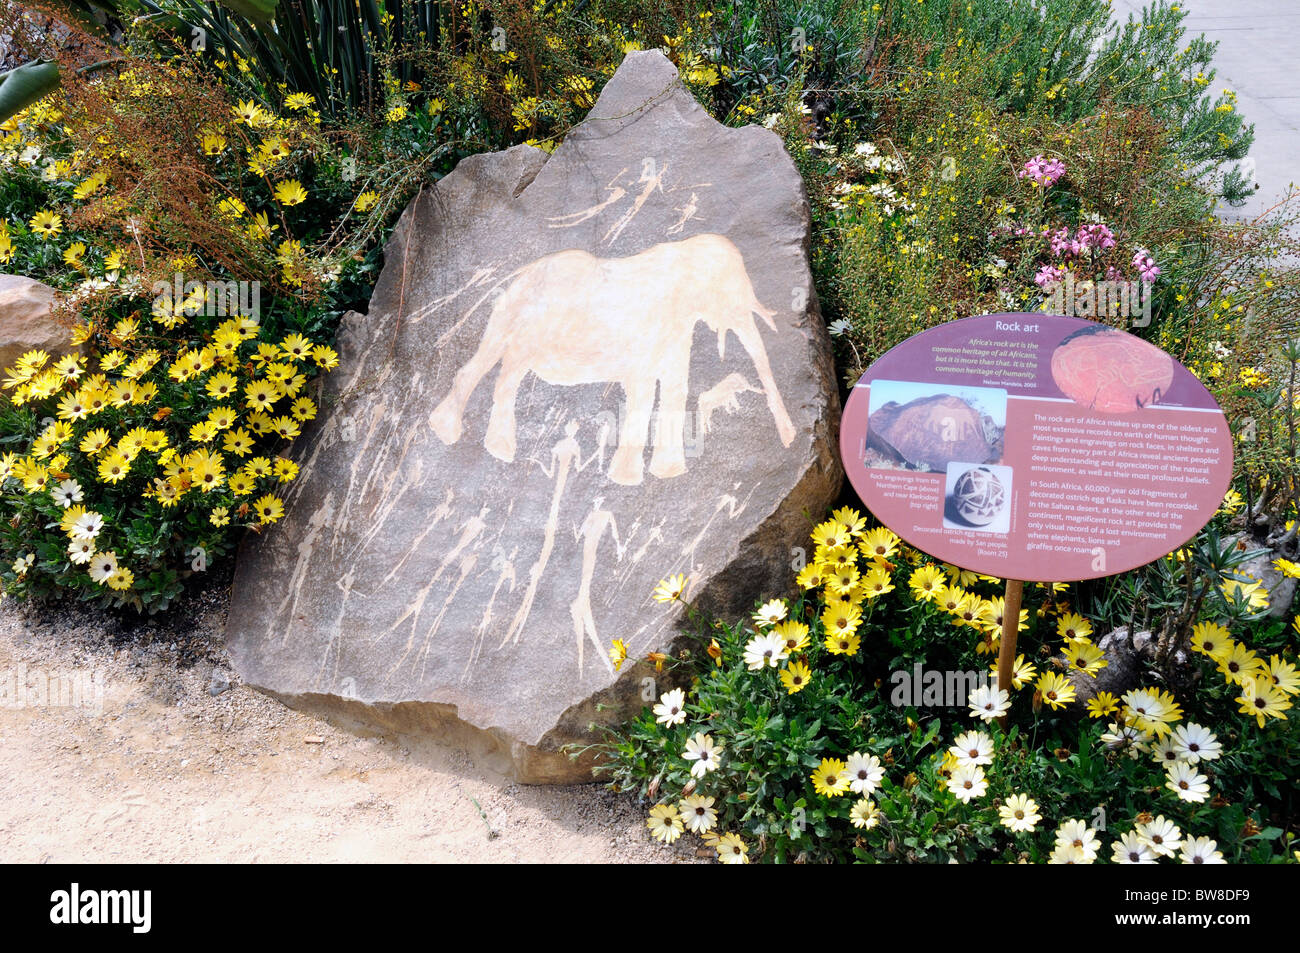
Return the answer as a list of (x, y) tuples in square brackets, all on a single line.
[(1266, 687), (108, 423)]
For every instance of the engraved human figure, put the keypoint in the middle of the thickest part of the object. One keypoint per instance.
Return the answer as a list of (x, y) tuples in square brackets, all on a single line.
[(652, 179), (688, 213), (566, 454), (504, 567), (470, 531), (590, 533), (616, 193)]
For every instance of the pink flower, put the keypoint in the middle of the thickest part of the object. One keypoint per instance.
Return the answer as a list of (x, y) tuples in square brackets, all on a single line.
[(1060, 241), (1042, 172), (1145, 264), (1096, 237), (1048, 275)]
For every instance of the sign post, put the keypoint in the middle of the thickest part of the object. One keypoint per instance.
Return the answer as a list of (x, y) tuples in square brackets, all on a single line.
[(1035, 447), (1011, 599)]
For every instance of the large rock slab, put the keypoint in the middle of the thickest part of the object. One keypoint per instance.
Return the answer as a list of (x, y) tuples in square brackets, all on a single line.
[(580, 373), (26, 323)]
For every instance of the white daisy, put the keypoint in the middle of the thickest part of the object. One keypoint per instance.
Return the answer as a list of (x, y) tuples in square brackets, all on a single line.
[(1076, 833), (1200, 850), (698, 814), (87, 526), (103, 566), (1166, 752), (80, 551), (1196, 743), (1187, 782), (973, 747), (66, 493), (1161, 835), (1020, 813), (988, 702), (770, 613), (864, 814), (764, 650), (1129, 737), (864, 771), (671, 709), (1069, 854), (1132, 849), (968, 782), (704, 753)]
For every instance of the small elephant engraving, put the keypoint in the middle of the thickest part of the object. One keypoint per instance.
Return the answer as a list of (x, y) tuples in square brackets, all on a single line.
[(725, 395), (574, 318)]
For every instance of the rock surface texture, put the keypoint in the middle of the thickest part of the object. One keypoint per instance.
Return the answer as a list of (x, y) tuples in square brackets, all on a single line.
[(25, 320), (580, 374)]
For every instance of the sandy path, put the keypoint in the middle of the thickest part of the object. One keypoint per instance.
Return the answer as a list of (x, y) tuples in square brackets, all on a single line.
[(168, 772)]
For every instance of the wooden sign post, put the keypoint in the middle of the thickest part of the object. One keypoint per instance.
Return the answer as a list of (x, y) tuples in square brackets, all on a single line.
[(1011, 599)]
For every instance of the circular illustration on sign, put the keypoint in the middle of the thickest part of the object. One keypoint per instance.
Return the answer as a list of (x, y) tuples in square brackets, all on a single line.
[(1110, 371), (917, 426), (977, 497)]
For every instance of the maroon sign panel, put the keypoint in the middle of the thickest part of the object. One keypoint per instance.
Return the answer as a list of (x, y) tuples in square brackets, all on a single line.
[(1036, 447)]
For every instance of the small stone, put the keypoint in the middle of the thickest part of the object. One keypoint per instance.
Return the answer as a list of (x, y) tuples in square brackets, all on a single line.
[(220, 683)]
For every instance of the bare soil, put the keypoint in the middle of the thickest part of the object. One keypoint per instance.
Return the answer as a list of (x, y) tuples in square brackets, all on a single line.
[(151, 766)]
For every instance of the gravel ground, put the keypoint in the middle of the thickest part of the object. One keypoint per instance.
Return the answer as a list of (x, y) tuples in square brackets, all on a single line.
[(126, 745)]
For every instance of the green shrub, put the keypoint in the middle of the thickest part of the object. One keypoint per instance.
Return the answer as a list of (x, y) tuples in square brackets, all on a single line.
[(782, 777)]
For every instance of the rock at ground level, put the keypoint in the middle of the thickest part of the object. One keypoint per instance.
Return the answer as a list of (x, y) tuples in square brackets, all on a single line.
[(580, 374), (1279, 586), (1124, 670), (25, 320)]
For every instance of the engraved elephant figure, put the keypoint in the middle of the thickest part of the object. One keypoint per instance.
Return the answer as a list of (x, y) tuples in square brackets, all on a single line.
[(574, 318)]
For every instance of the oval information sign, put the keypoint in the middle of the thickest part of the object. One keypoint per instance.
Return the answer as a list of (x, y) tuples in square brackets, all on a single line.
[(1036, 447)]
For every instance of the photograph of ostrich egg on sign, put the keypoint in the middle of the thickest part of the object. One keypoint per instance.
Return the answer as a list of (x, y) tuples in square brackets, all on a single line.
[(1036, 447), (978, 498)]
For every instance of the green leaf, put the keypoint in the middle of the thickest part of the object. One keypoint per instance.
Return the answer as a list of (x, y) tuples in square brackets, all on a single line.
[(259, 11), (24, 85)]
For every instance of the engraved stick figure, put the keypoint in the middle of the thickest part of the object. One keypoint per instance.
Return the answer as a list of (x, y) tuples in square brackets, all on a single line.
[(593, 528), (616, 193), (505, 568), (688, 212), (565, 454), (651, 179), (466, 568), (470, 531)]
